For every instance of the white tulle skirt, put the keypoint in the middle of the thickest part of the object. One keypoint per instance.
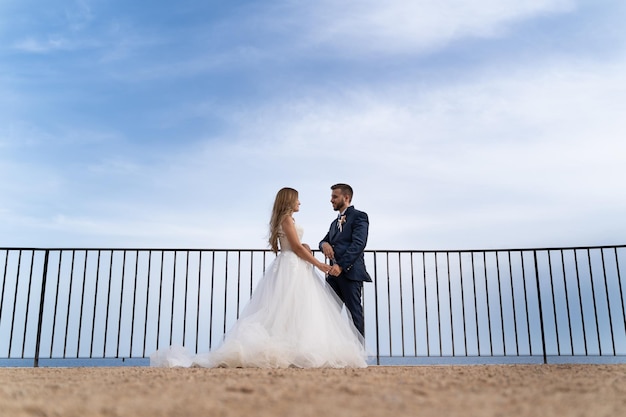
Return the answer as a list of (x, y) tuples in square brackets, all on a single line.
[(292, 319)]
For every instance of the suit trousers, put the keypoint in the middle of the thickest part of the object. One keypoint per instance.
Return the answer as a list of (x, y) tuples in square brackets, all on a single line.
[(350, 293)]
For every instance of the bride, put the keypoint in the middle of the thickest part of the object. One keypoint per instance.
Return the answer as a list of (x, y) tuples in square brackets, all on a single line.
[(292, 318)]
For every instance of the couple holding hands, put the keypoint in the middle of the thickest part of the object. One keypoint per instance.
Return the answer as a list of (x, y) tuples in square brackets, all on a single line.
[(292, 318)]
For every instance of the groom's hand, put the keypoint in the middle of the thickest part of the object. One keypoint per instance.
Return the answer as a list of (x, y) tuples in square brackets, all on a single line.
[(329, 253)]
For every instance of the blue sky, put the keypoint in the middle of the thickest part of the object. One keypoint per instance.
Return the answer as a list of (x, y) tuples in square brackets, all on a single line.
[(483, 124)]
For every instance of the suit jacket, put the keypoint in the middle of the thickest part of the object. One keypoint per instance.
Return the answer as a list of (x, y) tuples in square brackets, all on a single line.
[(349, 243)]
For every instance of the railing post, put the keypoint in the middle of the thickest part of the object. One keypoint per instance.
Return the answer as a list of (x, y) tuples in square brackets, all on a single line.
[(543, 335), (41, 303), (376, 311)]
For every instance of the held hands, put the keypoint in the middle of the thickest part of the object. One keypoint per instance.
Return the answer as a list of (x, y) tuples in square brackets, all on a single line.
[(335, 270)]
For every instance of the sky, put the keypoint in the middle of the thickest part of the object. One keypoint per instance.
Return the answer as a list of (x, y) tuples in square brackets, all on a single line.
[(460, 125)]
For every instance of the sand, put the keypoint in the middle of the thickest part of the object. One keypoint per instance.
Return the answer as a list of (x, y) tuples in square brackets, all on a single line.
[(485, 390)]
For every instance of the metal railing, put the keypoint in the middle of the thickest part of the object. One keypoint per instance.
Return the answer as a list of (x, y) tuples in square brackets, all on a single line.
[(60, 306)]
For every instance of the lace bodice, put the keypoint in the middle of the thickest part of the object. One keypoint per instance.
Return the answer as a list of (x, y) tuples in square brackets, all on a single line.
[(284, 242)]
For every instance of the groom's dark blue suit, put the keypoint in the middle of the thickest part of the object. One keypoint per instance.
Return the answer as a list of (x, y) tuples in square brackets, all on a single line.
[(348, 239)]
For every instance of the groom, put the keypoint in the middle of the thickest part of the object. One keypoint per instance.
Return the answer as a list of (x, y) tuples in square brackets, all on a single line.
[(344, 245)]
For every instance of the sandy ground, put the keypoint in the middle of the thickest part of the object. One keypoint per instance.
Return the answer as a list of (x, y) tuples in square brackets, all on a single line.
[(486, 390)]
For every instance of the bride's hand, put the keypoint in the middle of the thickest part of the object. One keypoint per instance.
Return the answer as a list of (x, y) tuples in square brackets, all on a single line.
[(307, 247)]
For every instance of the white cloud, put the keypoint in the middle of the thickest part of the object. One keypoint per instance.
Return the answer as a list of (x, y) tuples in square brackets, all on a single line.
[(494, 156), (49, 44), (358, 26)]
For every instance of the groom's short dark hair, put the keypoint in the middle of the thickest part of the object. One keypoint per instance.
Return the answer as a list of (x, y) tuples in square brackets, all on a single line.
[(344, 188)]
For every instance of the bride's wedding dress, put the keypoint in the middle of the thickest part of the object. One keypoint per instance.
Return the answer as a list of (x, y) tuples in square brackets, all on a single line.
[(292, 319)]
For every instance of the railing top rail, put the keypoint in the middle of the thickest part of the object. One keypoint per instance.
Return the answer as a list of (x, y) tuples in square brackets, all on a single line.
[(137, 249), (539, 249), (162, 249)]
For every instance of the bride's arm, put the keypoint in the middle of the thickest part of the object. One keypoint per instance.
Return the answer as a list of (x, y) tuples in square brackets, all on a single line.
[(299, 249)]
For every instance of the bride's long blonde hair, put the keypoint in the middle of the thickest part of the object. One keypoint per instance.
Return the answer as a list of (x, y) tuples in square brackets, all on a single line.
[(284, 203)]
